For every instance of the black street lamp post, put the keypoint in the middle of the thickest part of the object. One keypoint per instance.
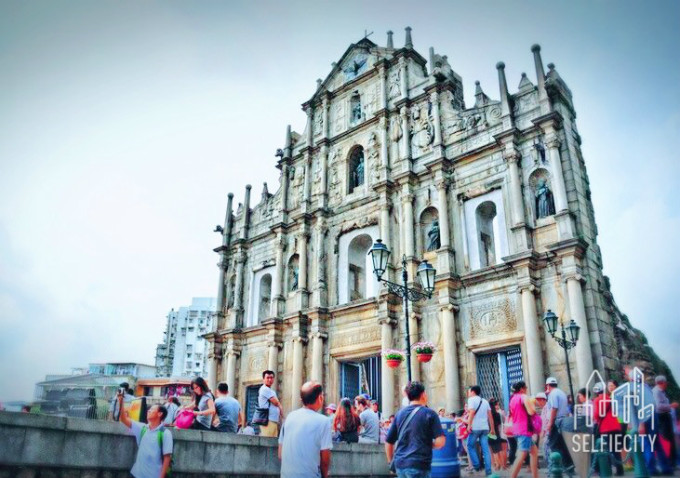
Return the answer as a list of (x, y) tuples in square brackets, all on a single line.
[(567, 340), (426, 273)]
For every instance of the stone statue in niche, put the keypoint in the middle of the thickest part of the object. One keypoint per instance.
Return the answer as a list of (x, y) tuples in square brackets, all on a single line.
[(433, 239), (264, 307), (359, 171), (356, 112), (296, 275), (545, 206), (539, 152)]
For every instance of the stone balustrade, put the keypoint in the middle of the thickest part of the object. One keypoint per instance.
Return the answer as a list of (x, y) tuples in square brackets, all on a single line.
[(37, 446)]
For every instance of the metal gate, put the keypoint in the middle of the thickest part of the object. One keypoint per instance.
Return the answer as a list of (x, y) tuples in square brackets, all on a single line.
[(251, 400), (497, 371), (362, 376)]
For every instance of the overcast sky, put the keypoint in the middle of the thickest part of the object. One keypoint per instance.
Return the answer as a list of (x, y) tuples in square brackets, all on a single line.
[(123, 126)]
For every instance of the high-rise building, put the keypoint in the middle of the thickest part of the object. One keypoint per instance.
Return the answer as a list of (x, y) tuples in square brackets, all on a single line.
[(495, 195), (183, 352)]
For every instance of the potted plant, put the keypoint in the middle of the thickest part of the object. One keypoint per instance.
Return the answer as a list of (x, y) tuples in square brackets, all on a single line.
[(424, 351), (393, 357)]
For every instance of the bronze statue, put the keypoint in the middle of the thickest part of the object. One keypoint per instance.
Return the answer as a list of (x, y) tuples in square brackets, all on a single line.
[(545, 206), (433, 242)]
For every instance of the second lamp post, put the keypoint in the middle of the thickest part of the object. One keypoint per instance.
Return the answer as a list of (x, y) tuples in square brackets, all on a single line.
[(426, 273), (567, 340)]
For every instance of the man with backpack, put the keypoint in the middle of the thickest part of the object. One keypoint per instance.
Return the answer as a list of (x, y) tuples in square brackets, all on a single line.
[(479, 422), (154, 442), (416, 431)]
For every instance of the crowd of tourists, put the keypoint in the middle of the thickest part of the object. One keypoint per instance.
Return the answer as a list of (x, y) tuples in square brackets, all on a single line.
[(494, 439)]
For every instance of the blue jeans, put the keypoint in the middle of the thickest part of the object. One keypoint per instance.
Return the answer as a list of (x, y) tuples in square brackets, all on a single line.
[(412, 473), (482, 436)]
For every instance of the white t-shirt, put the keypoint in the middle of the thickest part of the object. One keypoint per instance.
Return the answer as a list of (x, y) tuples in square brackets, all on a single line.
[(149, 463), (304, 434), (481, 419), (263, 397)]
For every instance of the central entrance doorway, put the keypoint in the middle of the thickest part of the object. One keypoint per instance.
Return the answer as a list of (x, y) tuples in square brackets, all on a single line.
[(361, 376), (497, 371)]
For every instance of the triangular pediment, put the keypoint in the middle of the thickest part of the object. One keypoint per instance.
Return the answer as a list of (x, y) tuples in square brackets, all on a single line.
[(357, 60)]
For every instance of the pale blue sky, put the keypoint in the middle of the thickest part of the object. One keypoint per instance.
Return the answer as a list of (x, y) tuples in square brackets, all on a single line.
[(123, 126)]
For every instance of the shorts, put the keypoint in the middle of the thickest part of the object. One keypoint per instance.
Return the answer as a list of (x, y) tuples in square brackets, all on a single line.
[(524, 443), (271, 430)]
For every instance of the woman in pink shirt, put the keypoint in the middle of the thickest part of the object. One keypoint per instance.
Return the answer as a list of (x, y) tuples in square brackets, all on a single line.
[(522, 410)]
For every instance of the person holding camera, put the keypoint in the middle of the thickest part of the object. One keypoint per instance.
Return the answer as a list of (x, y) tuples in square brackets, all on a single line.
[(114, 410), (154, 441)]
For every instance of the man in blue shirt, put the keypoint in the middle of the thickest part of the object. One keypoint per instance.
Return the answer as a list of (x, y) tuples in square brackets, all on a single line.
[(416, 430)]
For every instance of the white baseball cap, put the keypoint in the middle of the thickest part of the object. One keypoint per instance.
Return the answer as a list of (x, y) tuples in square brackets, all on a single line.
[(551, 381), (541, 395), (598, 387)]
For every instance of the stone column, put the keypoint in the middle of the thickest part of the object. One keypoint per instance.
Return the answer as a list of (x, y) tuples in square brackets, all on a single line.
[(463, 225), (383, 87), (384, 144), (238, 288), (320, 297), (387, 377), (385, 223), (296, 378), (407, 204), (407, 137), (561, 203), (231, 370), (317, 356), (445, 233), (414, 330), (513, 159), (273, 356), (434, 98), (302, 277), (323, 165), (324, 130), (532, 339), (277, 285), (451, 374), (584, 359), (211, 365), (285, 182)]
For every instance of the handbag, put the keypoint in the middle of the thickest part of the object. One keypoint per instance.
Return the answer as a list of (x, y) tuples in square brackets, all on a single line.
[(185, 419), (400, 433), (261, 415)]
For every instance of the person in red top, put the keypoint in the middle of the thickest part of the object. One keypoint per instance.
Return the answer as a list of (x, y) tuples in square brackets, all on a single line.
[(607, 426)]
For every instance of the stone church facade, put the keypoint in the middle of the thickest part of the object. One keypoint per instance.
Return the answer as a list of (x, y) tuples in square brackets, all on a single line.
[(494, 195)]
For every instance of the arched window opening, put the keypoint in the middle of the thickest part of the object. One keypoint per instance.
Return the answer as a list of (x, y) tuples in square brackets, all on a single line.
[(359, 272), (265, 299), (356, 168), (487, 227), (355, 109)]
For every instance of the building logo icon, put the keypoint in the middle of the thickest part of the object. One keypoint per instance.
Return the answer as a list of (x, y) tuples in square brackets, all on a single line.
[(628, 402)]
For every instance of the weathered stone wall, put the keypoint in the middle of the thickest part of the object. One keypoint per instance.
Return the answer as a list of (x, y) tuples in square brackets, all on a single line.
[(34, 446)]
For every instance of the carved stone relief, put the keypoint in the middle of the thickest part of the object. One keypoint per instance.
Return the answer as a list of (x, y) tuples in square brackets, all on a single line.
[(492, 318), (318, 124), (373, 152), (338, 114), (355, 337), (422, 128), (394, 85)]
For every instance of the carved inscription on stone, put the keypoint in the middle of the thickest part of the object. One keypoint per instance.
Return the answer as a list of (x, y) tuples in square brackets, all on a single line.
[(354, 338), (493, 318), (256, 363)]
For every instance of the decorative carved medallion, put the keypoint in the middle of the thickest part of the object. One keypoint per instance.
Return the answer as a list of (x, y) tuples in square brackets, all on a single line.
[(493, 318)]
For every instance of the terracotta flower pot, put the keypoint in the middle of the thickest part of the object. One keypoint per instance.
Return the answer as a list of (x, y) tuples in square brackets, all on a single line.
[(424, 357), (393, 363)]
